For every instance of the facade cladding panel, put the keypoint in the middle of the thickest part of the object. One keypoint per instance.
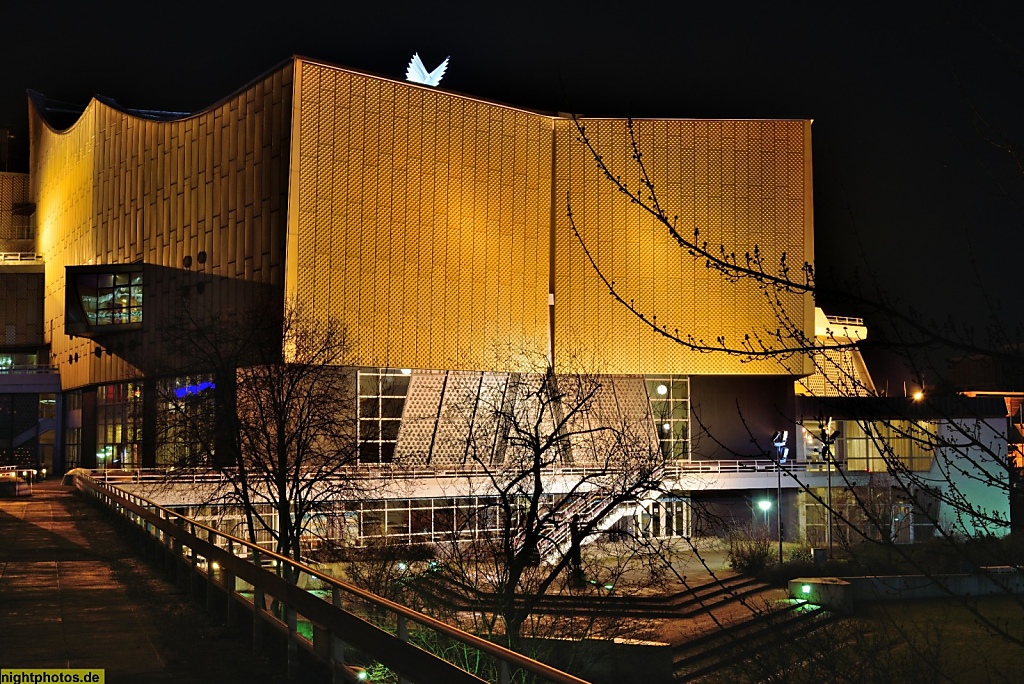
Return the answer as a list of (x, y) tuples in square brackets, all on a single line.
[(21, 316), (422, 221), (209, 191), (15, 229), (63, 163), (743, 184)]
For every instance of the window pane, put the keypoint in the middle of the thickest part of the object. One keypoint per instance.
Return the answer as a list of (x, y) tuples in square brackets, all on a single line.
[(395, 385), (391, 408), (389, 429), (369, 408), (368, 385)]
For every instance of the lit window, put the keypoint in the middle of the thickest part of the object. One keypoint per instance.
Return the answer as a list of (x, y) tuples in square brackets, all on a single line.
[(670, 407), (106, 298)]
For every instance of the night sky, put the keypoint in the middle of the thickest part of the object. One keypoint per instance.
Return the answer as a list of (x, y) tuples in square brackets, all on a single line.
[(907, 101)]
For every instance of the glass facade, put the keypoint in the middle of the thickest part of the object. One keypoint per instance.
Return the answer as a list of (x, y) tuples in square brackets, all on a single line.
[(670, 409), (119, 425), (110, 298), (382, 394), (422, 520), (881, 446), (12, 362), (186, 419), (73, 429)]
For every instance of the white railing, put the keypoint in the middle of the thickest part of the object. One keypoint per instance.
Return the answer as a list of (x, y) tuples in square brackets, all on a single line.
[(20, 257), (845, 320), (671, 471)]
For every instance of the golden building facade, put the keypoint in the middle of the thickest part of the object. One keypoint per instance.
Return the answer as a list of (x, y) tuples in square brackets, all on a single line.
[(197, 197), (436, 226), (433, 225)]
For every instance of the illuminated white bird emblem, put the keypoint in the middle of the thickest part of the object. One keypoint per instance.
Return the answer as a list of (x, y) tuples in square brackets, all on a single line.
[(417, 73)]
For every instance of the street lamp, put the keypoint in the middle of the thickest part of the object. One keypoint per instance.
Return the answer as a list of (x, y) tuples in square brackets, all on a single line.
[(765, 505), (828, 437), (779, 440)]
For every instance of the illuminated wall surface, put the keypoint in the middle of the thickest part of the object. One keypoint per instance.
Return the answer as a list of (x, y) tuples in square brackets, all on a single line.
[(427, 221), (744, 184), (117, 189), (423, 220)]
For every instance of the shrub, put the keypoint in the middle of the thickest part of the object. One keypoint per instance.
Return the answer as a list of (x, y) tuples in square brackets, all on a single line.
[(749, 553)]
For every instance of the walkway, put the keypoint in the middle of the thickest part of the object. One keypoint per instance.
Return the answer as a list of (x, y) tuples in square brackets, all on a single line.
[(74, 594)]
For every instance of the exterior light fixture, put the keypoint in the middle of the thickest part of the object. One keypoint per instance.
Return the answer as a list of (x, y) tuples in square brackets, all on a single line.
[(406, 371), (662, 390), (918, 395), (666, 427), (805, 588), (765, 505), (403, 567)]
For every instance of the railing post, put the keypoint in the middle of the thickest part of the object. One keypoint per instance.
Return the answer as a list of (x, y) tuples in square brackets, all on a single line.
[(403, 634), (258, 605), (210, 584), (503, 673), (229, 588), (290, 620), (337, 646), (177, 552), (195, 565)]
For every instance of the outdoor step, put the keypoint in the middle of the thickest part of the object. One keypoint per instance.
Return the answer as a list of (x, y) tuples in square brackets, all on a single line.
[(698, 600), (742, 644), (727, 635)]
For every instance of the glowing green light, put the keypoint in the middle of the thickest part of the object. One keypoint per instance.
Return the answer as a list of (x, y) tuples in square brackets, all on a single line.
[(362, 675), (805, 588), (403, 567), (609, 587)]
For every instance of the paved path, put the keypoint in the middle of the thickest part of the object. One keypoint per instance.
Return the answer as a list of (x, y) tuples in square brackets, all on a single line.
[(73, 593)]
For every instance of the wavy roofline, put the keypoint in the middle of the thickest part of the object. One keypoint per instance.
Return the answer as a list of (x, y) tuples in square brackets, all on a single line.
[(37, 102)]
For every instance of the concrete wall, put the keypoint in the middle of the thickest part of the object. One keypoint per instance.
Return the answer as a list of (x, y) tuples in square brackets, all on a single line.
[(728, 411), (845, 593)]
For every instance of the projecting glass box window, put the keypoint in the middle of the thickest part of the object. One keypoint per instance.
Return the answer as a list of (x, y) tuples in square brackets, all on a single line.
[(103, 299)]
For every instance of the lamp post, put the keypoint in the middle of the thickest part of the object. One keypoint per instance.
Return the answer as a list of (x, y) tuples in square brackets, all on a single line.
[(828, 437), (781, 454)]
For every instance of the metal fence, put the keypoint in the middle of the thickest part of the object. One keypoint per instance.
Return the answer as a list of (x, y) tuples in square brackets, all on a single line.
[(341, 625)]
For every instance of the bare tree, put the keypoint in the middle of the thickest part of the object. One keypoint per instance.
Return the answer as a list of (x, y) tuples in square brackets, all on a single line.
[(963, 442), (552, 465), (263, 399)]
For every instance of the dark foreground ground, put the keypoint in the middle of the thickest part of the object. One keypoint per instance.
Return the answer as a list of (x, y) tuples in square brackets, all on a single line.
[(75, 594)]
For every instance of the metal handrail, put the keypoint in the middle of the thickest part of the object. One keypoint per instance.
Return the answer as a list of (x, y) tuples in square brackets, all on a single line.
[(28, 368), (199, 475), (176, 532)]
